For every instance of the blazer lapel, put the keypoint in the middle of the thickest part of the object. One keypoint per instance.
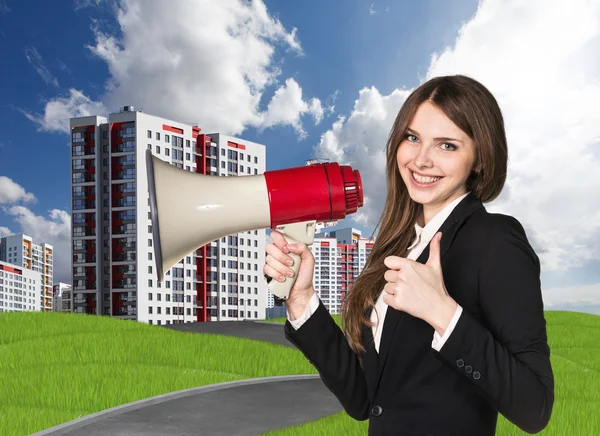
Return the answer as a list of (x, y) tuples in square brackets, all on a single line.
[(393, 318)]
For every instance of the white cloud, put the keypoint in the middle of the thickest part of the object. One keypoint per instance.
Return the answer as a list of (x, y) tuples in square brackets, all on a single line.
[(54, 230), (11, 192), (83, 4), (287, 106), (58, 111), (208, 62), (37, 62), (541, 62), (5, 231), (572, 295)]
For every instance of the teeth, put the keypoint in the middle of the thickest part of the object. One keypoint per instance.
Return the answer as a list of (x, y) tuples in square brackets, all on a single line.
[(420, 179)]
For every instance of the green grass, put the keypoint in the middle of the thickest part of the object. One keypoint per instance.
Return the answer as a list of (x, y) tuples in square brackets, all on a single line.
[(56, 367)]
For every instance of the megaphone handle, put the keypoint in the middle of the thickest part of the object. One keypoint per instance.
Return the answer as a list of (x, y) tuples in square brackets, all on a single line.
[(297, 232)]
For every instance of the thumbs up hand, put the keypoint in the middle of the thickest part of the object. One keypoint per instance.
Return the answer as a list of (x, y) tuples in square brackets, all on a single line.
[(419, 289)]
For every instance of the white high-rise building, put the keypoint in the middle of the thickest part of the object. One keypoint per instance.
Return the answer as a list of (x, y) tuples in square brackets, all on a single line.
[(21, 288), (340, 256), (20, 250), (113, 256)]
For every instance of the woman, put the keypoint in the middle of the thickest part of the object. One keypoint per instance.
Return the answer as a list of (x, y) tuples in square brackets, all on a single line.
[(440, 334)]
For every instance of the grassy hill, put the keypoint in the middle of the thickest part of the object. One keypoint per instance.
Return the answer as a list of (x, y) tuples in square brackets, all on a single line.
[(55, 367)]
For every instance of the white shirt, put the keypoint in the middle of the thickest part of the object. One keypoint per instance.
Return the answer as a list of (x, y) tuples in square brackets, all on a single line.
[(423, 237)]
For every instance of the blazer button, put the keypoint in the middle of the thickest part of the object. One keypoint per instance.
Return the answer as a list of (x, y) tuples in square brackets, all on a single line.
[(460, 363), (376, 410), (476, 375), (468, 369)]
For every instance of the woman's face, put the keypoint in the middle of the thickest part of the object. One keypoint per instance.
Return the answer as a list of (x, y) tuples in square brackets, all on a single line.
[(435, 147)]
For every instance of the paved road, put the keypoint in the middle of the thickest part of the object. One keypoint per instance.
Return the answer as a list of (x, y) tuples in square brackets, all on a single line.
[(262, 331), (240, 408)]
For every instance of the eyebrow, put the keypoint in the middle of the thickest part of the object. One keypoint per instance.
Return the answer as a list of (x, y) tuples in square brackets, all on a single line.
[(435, 139)]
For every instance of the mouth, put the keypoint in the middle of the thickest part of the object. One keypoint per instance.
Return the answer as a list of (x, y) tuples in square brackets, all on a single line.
[(423, 182)]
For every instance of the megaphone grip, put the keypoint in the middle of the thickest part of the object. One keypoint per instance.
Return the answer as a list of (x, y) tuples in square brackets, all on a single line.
[(293, 233), (282, 289)]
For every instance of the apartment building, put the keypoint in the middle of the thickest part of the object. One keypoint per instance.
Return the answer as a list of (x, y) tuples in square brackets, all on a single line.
[(20, 250), (113, 265), (21, 289), (340, 256), (62, 297)]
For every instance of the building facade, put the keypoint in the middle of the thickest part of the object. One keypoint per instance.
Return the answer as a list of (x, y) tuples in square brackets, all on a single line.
[(340, 256), (21, 289), (62, 300), (20, 250), (113, 251)]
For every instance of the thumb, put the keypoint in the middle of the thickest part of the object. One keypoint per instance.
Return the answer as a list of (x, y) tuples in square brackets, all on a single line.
[(434, 251)]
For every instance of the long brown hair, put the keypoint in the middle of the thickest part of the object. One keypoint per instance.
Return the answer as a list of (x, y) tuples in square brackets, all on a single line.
[(475, 111)]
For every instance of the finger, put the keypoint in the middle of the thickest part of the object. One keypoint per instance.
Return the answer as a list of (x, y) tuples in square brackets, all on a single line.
[(279, 240), (391, 276), (278, 254), (397, 262), (434, 250), (273, 273), (279, 267)]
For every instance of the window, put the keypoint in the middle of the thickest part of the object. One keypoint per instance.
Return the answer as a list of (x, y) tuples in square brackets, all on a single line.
[(158, 136), (166, 138), (187, 143), (167, 150), (150, 134), (150, 285), (158, 149)]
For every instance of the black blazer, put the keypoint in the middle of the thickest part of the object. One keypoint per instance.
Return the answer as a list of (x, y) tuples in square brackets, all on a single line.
[(497, 358)]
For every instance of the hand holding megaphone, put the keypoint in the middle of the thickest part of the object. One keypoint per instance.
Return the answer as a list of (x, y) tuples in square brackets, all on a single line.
[(298, 272)]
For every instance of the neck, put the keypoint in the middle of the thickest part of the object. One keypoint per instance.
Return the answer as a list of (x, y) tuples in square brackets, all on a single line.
[(428, 212)]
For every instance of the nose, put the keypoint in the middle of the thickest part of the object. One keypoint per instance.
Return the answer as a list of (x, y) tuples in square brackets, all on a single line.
[(423, 159)]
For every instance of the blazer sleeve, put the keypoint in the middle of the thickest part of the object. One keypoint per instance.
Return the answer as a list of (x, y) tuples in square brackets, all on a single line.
[(325, 346), (508, 361)]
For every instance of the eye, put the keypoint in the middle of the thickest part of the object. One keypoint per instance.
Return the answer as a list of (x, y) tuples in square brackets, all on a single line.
[(451, 145), (410, 138)]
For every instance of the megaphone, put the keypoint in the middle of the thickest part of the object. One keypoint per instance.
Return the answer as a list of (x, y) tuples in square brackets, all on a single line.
[(188, 210)]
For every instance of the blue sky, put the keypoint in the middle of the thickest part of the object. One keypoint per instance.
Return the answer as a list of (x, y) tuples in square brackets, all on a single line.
[(342, 75)]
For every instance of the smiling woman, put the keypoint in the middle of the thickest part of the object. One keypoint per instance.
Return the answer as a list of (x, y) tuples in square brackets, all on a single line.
[(442, 334)]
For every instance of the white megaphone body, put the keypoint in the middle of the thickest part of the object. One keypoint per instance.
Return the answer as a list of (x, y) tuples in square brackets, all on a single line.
[(189, 210)]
